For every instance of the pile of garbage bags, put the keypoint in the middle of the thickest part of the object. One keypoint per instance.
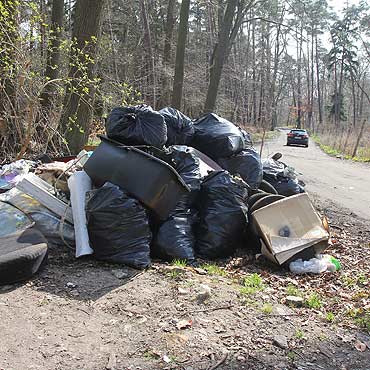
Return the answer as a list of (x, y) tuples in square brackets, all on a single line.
[(160, 185)]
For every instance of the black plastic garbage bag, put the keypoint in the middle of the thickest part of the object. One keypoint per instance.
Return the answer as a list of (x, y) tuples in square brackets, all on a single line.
[(180, 128), (118, 227), (223, 215), (284, 185), (217, 137), (175, 238), (281, 177), (137, 125), (187, 164), (247, 164), (247, 138)]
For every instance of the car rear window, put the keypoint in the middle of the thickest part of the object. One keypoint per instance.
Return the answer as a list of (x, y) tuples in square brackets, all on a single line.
[(298, 131)]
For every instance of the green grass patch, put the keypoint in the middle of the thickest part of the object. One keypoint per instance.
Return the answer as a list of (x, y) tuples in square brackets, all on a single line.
[(267, 308), (330, 316), (313, 301), (179, 263), (299, 334), (213, 269), (252, 284), (294, 291)]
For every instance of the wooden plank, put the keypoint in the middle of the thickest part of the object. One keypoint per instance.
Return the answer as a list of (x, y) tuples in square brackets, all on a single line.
[(40, 190)]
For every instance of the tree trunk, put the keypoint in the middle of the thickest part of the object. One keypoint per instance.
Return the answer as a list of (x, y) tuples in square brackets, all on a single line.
[(220, 55), (8, 37), (319, 98), (150, 65), (170, 24), (178, 81), (359, 139), (299, 78), (79, 98), (254, 77), (53, 57)]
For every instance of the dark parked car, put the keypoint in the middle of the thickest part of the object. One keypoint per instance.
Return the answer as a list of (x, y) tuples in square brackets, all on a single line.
[(298, 137)]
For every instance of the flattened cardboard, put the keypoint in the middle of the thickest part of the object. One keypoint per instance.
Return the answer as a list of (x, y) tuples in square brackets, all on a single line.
[(295, 214)]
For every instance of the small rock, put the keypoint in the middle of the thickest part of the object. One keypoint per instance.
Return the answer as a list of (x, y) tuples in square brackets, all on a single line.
[(182, 290), (280, 309), (71, 285), (280, 341), (183, 324), (120, 274), (361, 347), (204, 294), (240, 358), (294, 300)]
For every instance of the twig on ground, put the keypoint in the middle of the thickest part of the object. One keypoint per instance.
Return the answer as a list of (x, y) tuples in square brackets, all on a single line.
[(219, 363), (208, 309), (278, 315)]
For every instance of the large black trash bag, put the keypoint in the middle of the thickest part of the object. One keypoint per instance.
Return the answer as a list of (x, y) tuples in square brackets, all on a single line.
[(276, 174), (186, 163), (180, 129), (217, 137), (175, 237), (137, 125), (223, 214), (118, 227), (247, 164), (248, 143)]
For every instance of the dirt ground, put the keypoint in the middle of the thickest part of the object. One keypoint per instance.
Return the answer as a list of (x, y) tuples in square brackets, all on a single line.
[(81, 314)]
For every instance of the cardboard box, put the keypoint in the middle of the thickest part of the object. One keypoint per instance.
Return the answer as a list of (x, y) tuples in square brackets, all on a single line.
[(289, 227)]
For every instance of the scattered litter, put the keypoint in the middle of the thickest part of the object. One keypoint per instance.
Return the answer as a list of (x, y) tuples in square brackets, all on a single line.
[(11, 174), (316, 265), (12, 219)]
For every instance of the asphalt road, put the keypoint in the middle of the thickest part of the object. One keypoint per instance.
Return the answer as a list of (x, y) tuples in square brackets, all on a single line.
[(341, 181)]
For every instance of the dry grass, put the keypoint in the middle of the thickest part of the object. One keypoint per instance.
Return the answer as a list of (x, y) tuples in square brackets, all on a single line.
[(339, 143)]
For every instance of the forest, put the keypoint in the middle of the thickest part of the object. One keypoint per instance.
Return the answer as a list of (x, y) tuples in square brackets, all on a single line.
[(64, 64)]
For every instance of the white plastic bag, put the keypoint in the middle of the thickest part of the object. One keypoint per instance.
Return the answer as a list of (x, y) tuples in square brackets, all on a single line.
[(315, 265), (79, 184)]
